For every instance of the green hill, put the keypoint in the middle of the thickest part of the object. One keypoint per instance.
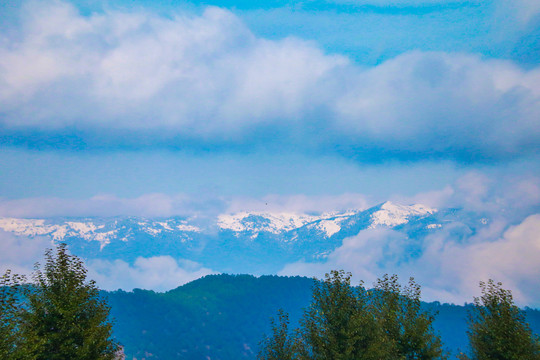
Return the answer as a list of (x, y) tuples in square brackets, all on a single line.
[(223, 317)]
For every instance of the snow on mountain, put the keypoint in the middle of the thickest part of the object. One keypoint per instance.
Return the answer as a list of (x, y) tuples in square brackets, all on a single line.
[(387, 214), (259, 222), (330, 227), (331, 223), (58, 232), (250, 224), (188, 228), (392, 215), (32, 227)]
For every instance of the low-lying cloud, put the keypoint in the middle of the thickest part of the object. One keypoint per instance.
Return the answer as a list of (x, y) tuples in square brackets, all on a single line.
[(500, 194), (19, 253), (202, 82), (450, 262), (159, 273), (147, 205), (448, 268)]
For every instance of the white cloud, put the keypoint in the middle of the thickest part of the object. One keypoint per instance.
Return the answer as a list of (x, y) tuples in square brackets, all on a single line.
[(403, 2), (448, 269), (164, 205), (159, 273), (199, 73), (498, 193), (209, 79), (505, 194), (358, 254), (147, 205), (19, 253), (524, 10), (299, 203)]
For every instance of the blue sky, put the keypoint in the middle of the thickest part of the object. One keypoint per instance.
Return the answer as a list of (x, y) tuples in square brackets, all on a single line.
[(257, 98), (220, 106)]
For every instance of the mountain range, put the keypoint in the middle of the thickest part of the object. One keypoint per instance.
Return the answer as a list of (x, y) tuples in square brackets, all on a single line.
[(244, 242)]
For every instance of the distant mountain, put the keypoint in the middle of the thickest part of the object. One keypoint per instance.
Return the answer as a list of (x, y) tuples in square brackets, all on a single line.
[(223, 317), (246, 242)]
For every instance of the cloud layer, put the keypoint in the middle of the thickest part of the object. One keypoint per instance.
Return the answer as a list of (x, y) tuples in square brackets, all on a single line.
[(450, 263), (19, 254), (159, 273), (204, 82), (448, 269), (148, 205), (503, 194)]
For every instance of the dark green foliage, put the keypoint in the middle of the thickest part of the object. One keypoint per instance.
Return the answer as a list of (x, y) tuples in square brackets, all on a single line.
[(218, 316), (281, 345), (65, 318), (339, 324), (345, 322), (12, 345), (225, 316), (497, 328), (404, 322)]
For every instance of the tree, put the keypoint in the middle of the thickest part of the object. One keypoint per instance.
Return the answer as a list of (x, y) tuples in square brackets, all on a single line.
[(281, 345), (399, 312), (351, 323), (339, 325), (12, 345), (497, 327), (65, 317)]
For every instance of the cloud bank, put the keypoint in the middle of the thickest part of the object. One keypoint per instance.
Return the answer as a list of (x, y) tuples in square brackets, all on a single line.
[(19, 254), (200, 82), (448, 269), (159, 273), (147, 205), (502, 193), (450, 263)]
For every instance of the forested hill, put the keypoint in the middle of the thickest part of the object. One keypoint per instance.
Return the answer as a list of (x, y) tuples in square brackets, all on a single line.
[(225, 316)]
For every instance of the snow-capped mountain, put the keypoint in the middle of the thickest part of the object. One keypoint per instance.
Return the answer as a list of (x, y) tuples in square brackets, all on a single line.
[(102, 231), (277, 223), (392, 215), (232, 242), (387, 214), (106, 230)]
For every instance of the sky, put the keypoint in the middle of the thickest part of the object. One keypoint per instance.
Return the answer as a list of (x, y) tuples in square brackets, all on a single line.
[(160, 108)]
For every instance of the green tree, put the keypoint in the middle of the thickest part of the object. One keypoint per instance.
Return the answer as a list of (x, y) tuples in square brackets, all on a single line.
[(339, 324), (497, 327), (281, 345), (65, 316), (350, 323), (399, 312), (12, 344)]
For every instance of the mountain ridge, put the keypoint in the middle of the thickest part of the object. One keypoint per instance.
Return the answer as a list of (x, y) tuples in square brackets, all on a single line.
[(244, 242), (103, 229), (225, 316)]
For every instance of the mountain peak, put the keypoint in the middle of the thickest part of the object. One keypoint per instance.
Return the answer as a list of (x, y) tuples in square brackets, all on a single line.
[(390, 214), (262, 221)]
